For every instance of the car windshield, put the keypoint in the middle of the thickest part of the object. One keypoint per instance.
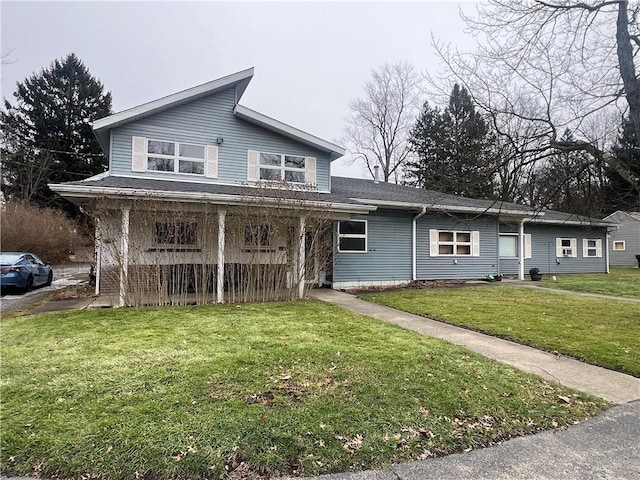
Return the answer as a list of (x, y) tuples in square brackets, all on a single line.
[(9, 258)]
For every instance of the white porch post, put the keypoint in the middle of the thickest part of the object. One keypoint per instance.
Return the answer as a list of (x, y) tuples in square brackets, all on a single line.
[(221, 241), (98, 267), (124, 250), (301, 257), (521, 250)]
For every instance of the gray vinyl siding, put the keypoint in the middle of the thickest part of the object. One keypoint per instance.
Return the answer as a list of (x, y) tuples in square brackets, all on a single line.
[(202, 121), (467, 267), (629, 232), (543, 251), (389, 250)]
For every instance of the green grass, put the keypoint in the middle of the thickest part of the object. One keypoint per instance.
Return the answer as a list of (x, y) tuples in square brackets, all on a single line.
[(283, 388), (598, 331), (621, 282)]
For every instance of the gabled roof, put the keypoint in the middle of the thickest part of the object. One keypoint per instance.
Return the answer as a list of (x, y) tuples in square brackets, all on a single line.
[(632, 215), (240, 81), (334, 151), (101, 127)]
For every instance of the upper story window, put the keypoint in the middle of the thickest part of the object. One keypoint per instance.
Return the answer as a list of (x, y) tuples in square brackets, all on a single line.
[(352, 236), (149, 155), (275, 166), (298, 170), (175, 157)]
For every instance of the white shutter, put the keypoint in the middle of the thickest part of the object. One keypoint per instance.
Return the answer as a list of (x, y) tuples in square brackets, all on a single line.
[(310, 172), (574, 247), (253, 168), (211, 162), (475, 243), (433, 243), (599, 248), (138, 154), (558, 247), (585, 247), (527, 245)]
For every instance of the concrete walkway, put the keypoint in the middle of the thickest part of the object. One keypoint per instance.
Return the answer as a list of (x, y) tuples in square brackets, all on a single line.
[(612, 386), (603, 447)]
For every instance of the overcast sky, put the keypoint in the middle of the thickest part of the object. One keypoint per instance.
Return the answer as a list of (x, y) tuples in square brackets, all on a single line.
[(310, 59)]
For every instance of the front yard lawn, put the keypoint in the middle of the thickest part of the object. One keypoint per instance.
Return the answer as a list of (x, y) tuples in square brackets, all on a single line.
[(597, 331), (239, 391), (621, 282)]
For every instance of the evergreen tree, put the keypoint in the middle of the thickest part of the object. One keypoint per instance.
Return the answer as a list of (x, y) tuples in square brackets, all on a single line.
[(619, 193), (453, 149), (571, 182), (47, 135)]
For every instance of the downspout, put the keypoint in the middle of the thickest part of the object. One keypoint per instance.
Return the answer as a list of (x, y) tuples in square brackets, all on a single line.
[(414, 237), (521, 250), (606, 241)]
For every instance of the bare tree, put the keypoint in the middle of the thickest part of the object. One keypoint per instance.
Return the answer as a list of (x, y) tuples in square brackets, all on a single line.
[(554, 65), (379, 126)]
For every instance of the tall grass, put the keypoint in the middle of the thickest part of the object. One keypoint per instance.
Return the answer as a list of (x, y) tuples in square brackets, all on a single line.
[(47, 232)]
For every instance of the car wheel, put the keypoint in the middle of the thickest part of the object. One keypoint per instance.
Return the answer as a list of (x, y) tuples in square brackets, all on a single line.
[(29, 285), (49, 279)]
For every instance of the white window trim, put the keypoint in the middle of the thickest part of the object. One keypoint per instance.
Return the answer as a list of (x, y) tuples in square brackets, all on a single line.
[(473, 243), (282, 168), (355, 235), (527, 245), (586, 247), (561, 252), (624, 246), (175, 157), (517, 245)]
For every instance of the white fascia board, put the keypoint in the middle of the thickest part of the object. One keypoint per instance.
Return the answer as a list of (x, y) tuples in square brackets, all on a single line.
[(79, 191), (443, 207), (594, 223), (277, 126), (242, 78)]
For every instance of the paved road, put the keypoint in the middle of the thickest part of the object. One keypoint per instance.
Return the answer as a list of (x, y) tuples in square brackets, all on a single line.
[(62, 277)]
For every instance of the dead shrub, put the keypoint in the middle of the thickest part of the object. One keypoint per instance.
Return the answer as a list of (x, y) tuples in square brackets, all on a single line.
[(48, 233)]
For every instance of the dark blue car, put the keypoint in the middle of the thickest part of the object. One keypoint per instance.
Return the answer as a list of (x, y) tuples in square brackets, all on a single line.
[(23, 271)]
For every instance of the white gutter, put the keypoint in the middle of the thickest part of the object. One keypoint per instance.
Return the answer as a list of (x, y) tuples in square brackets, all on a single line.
[(200, 197), (442, 207), (414, 241)]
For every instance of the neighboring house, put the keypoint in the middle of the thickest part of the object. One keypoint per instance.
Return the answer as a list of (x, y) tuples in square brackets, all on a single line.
[(207, 200), (624, 242)]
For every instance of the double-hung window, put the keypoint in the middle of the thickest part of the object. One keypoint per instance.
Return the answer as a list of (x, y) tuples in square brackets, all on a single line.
[(352, 236), (592, 247), (175, 157), (454, 243), (280, 167)]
